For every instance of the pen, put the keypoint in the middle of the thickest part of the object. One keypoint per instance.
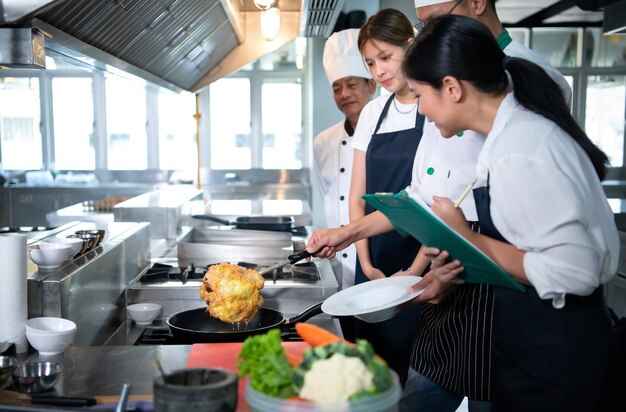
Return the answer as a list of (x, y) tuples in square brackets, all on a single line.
[(465, 192)]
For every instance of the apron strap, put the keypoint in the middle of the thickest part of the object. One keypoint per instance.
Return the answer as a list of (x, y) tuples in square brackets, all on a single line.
[(383, 114)]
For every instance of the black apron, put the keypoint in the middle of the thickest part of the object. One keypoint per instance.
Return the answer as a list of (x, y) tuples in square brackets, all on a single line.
[(547, 359), (389, 167), (453, 343)]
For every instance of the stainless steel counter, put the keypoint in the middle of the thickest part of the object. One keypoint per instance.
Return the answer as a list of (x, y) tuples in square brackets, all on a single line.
[(90, 371), (90, 289), (102, 370)]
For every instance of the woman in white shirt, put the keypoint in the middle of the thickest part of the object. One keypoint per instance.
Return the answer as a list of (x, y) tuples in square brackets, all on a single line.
[(543, 217), (385, 142)]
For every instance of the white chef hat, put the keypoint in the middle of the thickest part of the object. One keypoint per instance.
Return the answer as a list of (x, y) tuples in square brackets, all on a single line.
[(342, 58), (422, 3)]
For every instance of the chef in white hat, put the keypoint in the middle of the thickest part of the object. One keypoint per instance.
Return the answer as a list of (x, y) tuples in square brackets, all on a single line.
[(352, 87), (448, 372)]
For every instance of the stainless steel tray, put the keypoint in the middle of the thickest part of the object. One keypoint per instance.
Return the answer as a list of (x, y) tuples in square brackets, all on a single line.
[(207, 246)]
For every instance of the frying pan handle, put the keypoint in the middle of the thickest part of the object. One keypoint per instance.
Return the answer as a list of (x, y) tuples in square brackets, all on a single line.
[(296, 257), (306, 315), (212, 218)]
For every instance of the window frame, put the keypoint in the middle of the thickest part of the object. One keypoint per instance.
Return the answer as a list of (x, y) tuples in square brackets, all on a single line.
[(257, 77)]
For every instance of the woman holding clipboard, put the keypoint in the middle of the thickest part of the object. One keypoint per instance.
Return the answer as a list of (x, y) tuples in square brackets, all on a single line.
[(543, 216)]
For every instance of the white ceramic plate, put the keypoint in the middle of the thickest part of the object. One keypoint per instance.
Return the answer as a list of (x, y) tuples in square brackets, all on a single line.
[(372, 301)]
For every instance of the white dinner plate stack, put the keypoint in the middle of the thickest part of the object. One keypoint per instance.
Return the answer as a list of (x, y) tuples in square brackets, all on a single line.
[(13, 301)]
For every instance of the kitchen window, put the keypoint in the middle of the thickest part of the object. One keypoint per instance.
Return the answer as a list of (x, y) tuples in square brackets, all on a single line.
[(20, 136), (282, 125), (126, 123), (231, 144), (265, 99), (604, 115), (177, 133), (73, 117)]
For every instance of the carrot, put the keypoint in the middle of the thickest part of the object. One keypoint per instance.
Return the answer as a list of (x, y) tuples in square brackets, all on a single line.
[(316, 336), (298, 399), (294, 360)]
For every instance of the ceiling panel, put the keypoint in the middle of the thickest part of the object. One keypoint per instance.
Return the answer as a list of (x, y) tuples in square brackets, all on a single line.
[(513, 11)]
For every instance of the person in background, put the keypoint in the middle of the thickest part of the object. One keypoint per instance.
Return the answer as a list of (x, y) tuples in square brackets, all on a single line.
[(543, 215), (353, 88), (385, 141)]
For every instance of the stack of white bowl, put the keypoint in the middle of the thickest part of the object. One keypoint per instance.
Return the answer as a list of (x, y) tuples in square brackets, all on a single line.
[(13, 303)]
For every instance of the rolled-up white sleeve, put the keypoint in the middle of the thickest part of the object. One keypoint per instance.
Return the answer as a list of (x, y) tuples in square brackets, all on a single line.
[(537, 207)]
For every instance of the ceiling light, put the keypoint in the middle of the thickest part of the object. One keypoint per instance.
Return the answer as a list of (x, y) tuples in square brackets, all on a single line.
[(264, 4), (270, 23)]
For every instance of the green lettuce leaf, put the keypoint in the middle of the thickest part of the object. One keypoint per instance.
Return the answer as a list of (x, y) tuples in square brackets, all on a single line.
[(265, 362)]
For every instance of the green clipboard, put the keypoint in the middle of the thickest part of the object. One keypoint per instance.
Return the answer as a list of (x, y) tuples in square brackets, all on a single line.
[(416, 218)]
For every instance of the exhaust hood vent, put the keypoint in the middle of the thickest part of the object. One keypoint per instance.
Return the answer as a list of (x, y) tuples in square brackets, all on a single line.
[(15, 11), (178, 41), (22, 48), (318, 17)]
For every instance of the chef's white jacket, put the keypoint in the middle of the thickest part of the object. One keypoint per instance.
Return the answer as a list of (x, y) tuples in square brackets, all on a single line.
[(333, 155), (547, 200)]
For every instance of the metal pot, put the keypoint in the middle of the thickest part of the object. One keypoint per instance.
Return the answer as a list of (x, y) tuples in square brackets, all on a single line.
[(275, 223), (197, 325)]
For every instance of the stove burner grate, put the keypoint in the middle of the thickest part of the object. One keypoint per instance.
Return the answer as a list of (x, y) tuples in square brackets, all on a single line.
[(161, 335), (159, 272)]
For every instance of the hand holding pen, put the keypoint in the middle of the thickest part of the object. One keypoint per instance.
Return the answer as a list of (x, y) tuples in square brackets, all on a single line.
[(465, 193)]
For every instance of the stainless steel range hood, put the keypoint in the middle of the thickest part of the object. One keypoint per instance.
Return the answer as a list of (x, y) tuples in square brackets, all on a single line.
[(179, 44)]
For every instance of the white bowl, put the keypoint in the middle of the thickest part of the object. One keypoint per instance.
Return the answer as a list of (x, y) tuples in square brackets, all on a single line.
[(49, 255), (49, 335), (143, 313), (75, 243), (49, 325)]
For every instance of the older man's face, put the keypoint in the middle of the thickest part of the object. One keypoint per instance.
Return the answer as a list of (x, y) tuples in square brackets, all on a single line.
[(351, 94)]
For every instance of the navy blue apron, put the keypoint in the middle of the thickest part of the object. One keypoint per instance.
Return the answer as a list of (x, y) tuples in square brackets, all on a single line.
[(546, 359), (389, 166)]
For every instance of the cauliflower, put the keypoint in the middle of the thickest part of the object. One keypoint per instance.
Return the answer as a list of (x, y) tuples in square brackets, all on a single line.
[(336, 379)]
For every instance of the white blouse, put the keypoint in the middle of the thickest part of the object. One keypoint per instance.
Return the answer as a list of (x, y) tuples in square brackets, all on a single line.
[(394, 120), (547, 200)]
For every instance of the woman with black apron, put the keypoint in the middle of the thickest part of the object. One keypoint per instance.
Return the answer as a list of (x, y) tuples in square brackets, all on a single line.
[(543, 218), (389, 162), (385, 141)]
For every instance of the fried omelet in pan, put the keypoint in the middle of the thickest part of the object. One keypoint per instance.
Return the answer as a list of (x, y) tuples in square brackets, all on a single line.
[(232, 292)]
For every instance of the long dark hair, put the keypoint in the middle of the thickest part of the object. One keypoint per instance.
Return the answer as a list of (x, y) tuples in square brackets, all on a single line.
[(464, 48), (387, 25)]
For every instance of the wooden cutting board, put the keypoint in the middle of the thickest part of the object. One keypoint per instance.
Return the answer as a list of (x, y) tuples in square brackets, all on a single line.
[(224, 355)]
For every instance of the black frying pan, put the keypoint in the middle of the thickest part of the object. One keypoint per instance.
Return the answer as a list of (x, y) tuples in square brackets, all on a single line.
[(197, 325), (275, 223)]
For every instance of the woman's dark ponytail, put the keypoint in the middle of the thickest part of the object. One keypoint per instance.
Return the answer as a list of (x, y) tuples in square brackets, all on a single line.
[(538, 92)]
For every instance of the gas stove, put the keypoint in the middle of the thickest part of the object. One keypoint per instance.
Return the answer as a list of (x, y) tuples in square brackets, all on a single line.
[(161, 273), (161, 335)]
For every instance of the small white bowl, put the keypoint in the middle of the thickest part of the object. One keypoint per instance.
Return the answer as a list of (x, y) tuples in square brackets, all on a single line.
[(143, 313), (50, 335), (49, 255), (50, 324), (75, 243)]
